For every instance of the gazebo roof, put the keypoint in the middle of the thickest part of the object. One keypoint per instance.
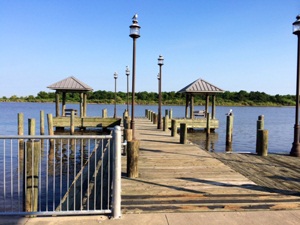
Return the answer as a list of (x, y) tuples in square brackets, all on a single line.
[(201, 86), (70, 84)]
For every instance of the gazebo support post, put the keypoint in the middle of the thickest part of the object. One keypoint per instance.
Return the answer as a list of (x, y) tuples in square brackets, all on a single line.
[(213, 110), (187, 98), (57, 103), (81, 104), (207, 104), (84, 104), (64, 104), (192, 107)]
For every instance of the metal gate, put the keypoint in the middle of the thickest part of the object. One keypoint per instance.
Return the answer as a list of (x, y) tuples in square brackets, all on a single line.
[(60, 174)]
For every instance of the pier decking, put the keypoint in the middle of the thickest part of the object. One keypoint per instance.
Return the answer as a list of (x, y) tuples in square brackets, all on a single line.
[(184, 178)]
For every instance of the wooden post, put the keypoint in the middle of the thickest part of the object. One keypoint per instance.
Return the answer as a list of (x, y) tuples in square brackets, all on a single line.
[(259, 126), (170, 114), (173, 128), (154, 118), (148, 115), (132, 158), (50, 129), (183, 133), (104, 113), (151, 116), (31, 126), (42, 122), (207, 124), (127, 137), (72, 120), (146, 112), (57, 113), (165, 123), (21, 129), (32, 175), (166, 113), (229, 129), (262, 141)]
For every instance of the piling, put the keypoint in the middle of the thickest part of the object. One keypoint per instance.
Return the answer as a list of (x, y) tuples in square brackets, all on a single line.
[(21, 129), (166, 113), (50, 129), (127, 137), (104, 113), (32, 175), (170, 113), (262, 142), (72, 120), (260, 124), (132, 158), (173, 128), (229, 129), (154, 118), (31, 126), (183, 133), (207, 123), (165, 123), (42, 122)]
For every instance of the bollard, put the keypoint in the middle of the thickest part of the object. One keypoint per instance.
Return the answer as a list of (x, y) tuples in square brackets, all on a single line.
[(173, 128), (183, 133), (132, 158), (229, 129), (154, 118), (31, 183), (262, 141), (259, 126), (146, 113)]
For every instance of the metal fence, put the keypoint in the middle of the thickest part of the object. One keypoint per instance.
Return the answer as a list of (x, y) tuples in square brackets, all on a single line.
[(60, 174)]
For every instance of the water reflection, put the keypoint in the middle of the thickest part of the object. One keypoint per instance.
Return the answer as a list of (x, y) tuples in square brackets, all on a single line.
[(205, 141)]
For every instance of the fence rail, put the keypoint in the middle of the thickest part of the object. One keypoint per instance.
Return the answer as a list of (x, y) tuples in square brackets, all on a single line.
[(60, 174)]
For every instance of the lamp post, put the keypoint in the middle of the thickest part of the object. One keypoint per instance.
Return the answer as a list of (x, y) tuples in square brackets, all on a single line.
[(115, 110), (134, 34), (127, 74), (160, 63), (295, 151)]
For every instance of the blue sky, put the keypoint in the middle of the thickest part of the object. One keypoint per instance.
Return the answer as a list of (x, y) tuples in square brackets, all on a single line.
[(233, 44)]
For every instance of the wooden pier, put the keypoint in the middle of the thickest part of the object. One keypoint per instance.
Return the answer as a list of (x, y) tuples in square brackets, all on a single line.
[(184, 178)]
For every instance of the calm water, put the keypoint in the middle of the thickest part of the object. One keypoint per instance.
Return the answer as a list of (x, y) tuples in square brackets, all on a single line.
[(278, 120)]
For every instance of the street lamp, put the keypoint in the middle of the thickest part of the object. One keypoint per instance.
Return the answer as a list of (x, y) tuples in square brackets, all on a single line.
[(295, 151), (115, 110), (160, 63), (127, 74), (134, 34)]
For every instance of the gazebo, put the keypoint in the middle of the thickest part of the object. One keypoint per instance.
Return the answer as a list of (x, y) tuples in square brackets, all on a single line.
[(70, 85), (200, 86)]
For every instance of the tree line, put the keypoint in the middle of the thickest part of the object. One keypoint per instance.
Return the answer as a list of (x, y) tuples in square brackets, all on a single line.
[(242, 98)]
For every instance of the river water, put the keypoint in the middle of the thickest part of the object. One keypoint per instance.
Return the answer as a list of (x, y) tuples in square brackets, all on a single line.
[(279, 121)]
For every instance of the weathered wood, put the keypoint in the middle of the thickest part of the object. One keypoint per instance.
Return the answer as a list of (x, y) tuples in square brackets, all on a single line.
[(86, 122), (132, 158), (262, 142), (165, 123), (170, 113), (196, 123), (31, 126), (173, 128), (104, 113), (183, 133), (260, 124), (42, 122), (229, 130), (207, 123), (50, 124), (72, 127), (21, 129), (33, 152), (154, 118)]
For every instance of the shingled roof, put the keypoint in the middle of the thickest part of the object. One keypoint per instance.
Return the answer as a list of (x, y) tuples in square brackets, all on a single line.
[(201, 86), (70, 84)]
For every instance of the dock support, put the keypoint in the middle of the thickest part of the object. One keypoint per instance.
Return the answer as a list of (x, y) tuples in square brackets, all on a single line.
[(155, 118), (262, 141), (183, 133), (127, 137), (259, 126), (42, 122), (33, 152), (229, 129), (133, 147), (21, 129), (170, 113), (104, 113), (72, 119), (165, 123), (207, 124), (173, 128)]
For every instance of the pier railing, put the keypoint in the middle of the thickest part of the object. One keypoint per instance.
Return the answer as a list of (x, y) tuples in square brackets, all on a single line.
[(60, 174)]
